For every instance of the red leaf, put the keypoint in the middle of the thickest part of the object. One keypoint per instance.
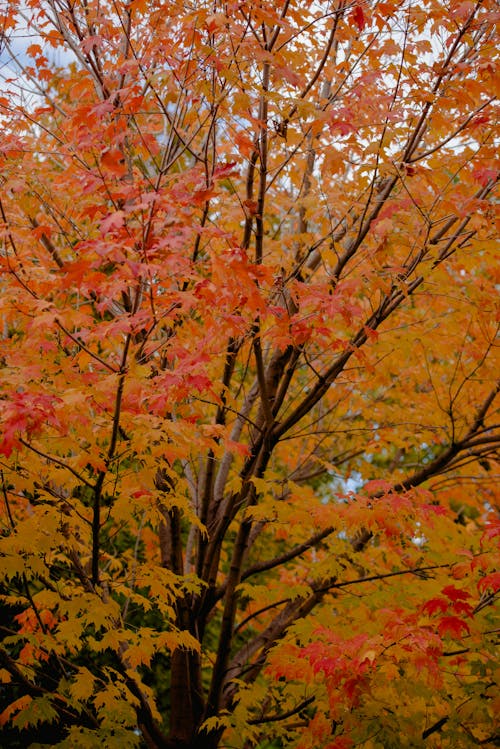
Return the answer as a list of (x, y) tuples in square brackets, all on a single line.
[(112, 222), (225, 170), (89, 43), (341, 742), (377, 486), (289, 75), (484, 175), (489, 581), (460, 607), (25, 414), (454, 594), (359, 17), (452, 626), (435, 604), (341, 121), (492, 530)]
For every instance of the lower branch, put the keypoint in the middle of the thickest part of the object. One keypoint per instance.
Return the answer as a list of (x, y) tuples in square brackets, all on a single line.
[(282, 716), (434, 728)]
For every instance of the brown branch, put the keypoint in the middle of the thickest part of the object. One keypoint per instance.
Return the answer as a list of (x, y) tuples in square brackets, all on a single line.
[(450, 653), (437, 726), (247, 229), (447, 460), (56, 461), (293, 611), (277, 561), (6, 501), (48, 245), (438, 464), (115, 430), (281, 716), (66, 714), (84, 347), (260, 611), (370, 578), (261, 376), (419, 130), (277, 28), (457, 131), (144, 714), (287, 556), (319, 69), (227, 625)]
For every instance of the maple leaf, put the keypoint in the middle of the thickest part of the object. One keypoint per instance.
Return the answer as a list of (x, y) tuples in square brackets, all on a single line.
[(452, 626), (290, 75), (34, 50), (434, 605), (492, 529), (245, 144), (491, 581), (377, 485), (223, 171), (341, 742), (460, 607), (26, 414), (112, 222), (90, 42), (485, 175), (15, 707), (454, 594), (358, 16)]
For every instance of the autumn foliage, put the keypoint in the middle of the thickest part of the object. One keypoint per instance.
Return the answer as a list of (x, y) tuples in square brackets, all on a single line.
[(248, 376)]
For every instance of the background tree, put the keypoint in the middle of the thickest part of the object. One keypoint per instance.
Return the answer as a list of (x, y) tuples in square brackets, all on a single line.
[(248, 373)]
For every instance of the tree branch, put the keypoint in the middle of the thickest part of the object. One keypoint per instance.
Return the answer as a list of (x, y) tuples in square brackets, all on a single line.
[(281, 716)]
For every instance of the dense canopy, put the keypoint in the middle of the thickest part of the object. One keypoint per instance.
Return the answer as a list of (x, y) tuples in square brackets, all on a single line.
[(249, 374)]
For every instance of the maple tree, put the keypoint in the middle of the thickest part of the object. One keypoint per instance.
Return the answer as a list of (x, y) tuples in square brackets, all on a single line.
[(249, 427)]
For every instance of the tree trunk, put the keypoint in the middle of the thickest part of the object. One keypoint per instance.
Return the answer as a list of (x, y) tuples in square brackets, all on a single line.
[(186, 697)]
